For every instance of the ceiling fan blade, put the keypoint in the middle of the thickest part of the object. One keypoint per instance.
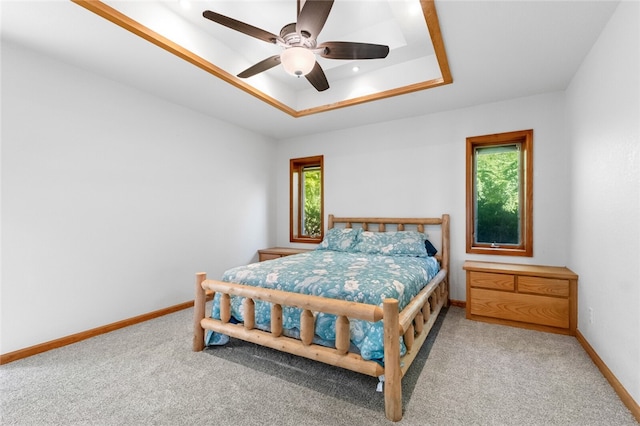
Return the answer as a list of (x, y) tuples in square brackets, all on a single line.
[(317, 78), (312, 17), (260, 66), (241, 27), (350, 50)]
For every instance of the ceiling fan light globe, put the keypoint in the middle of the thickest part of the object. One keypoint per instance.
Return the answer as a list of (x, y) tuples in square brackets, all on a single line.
[(298, 61)]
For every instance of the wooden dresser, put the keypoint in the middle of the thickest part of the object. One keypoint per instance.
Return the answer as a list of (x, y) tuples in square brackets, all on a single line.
[(537, 297), (276, 252)]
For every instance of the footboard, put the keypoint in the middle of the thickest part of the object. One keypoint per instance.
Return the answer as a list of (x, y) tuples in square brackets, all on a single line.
[(413, 324)]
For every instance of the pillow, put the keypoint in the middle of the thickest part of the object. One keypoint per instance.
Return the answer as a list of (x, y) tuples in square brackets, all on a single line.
[(399, 243), (431, 250), (339, 239)]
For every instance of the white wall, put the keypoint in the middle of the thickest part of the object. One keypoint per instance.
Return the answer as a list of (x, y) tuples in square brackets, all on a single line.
[(112, 200), (604, 118), (416, 167)]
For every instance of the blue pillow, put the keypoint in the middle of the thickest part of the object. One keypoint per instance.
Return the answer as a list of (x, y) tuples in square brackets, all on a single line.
[(399, 243), (339, 239)]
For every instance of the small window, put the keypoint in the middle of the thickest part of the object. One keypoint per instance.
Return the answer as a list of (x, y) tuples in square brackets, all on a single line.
[(306, 223), (500, 194)]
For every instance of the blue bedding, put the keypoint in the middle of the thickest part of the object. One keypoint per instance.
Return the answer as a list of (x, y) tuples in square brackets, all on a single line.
[(352, 276)]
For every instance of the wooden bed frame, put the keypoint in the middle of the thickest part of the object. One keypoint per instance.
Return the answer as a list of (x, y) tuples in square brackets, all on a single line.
[(413, 323)]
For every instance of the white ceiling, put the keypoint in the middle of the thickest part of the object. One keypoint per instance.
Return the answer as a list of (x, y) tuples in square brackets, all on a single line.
[(496, 50), (400, 24)]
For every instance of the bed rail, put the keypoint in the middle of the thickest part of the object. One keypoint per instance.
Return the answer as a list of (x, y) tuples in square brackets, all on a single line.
[(412, 324), (274, 338)]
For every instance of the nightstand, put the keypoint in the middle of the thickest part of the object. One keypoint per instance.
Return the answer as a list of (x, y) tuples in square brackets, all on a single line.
[(276, 252)]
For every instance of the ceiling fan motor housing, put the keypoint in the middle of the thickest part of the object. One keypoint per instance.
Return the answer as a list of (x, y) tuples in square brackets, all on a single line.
[(292, 38)]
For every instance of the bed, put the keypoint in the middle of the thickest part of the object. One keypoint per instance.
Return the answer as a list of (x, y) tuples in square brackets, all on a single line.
[(366, 323)]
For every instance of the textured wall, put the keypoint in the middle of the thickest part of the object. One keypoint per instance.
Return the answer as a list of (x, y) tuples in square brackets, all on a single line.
[(604, 115), (112, 200)]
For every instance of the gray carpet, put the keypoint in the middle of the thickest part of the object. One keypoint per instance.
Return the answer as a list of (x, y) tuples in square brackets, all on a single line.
[(331, 381), (474, 373)]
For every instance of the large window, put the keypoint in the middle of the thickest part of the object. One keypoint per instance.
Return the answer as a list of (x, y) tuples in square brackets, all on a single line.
[(307, 211), (500, 194)]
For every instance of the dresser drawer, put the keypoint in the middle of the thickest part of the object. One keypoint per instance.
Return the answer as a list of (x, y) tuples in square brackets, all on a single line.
[(277, 252), (544, 286), (490, 280), (268, 256), (549, 311)]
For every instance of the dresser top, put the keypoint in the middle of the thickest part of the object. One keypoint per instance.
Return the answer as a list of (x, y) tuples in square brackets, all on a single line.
[(282, 250), (520, 269)]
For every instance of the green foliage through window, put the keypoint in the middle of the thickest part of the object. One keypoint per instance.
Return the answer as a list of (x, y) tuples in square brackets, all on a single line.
[(312, 178), (306, 224), (497, 194)]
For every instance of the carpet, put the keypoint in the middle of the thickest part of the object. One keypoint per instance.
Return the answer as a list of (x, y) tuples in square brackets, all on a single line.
[(355, 388)]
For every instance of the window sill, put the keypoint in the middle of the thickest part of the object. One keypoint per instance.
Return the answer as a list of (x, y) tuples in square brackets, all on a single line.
[(501, 251)]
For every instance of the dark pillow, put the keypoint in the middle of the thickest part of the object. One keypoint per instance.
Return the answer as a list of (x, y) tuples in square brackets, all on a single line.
[(431, 250)]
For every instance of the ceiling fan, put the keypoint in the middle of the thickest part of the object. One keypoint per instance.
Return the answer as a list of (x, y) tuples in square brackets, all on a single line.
[(299, 41)]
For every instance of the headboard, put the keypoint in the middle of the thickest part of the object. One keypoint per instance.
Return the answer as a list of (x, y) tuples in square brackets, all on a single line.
[(421, 224)]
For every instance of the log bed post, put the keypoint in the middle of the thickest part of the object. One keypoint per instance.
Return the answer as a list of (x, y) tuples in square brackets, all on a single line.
[(198, 315), (392, 371), (445, 255), (249, 313), (307, 327)]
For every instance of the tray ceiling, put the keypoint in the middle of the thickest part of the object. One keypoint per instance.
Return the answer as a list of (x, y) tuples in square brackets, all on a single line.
[(417, 59)]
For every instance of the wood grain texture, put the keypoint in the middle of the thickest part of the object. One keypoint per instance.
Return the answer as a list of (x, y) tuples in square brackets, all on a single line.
[(421, 300), (307, 327), (392, 371), (521, 269), (494, 281), (543, 298), (544, 286), (276, 320), (542, 310), (293, 346), (225, 307), (525, 247), (277, 252), (249, 314), (343, 335), (198, 314), (267, 256), (304, 301)]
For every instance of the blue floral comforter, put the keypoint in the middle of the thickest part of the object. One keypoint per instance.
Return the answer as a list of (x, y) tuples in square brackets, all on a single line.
[(357, 277)]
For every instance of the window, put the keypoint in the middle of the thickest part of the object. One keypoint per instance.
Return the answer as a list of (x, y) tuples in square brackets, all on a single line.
[(500, 194), (306, 223)]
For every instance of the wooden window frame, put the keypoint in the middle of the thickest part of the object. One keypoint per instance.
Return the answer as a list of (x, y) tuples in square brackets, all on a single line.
[(297, 165), (525, 139)]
